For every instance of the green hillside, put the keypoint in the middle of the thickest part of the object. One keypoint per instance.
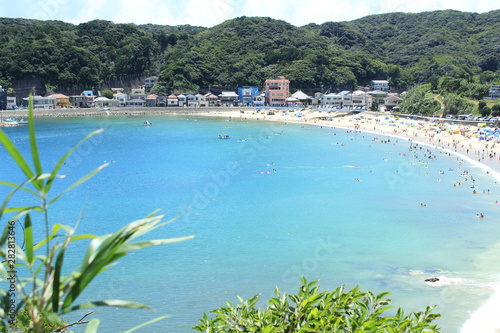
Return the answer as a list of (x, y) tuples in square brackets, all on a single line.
[(407, 49)]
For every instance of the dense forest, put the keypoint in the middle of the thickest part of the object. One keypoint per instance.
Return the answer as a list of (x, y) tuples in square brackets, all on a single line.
[(406, 49)]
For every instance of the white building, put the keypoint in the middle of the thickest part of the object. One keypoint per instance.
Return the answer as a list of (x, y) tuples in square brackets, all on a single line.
[(379, 85), (331, 100), (40, 102), (11, 103), (122, 98)]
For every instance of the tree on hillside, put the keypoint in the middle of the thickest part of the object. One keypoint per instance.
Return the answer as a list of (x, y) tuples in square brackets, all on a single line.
[(420, 100), (107, 93), (455, 104)]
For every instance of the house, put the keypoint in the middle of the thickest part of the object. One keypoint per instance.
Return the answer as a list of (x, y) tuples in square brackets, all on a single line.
[(259, 100), (379, 85), (495, 92), (172, 100), (229, 98), (11, 103), (89, 97), (40, 102), (292, 101), (379, 95), (331, 100), (122, 98), (117, 90), (212, 100), (392, 101), (62, 100), (191, 101), (357, 99), (79, 101), (105, 102), (246, 95), (182, 99), (150, 82), (202, 100), (152, 100), (138, 93), (162, 101), (302, 97), (277, 91), (136, 102)]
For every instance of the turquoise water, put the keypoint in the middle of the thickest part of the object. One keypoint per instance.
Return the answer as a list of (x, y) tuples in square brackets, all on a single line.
[(272, 203)]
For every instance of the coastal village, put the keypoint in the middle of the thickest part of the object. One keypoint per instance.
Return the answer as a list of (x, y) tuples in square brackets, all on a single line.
[(276, 93)]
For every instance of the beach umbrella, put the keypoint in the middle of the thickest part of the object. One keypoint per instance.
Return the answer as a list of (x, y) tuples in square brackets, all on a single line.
[(387, 118), (481, 137)]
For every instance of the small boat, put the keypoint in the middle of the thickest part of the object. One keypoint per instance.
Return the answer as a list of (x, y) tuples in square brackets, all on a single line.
[(147, 123), (223, 136), (22, 121)]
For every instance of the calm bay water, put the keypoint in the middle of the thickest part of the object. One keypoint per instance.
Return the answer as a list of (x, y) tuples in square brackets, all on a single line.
[(272, 203)]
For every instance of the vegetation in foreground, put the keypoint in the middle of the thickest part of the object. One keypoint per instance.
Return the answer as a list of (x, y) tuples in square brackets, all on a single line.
[(313, 311)]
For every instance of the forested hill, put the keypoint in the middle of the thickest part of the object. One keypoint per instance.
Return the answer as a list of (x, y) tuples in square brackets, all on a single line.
[(405, 48)]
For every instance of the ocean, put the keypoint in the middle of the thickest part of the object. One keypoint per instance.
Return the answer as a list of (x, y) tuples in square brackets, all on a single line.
[(273, 202)]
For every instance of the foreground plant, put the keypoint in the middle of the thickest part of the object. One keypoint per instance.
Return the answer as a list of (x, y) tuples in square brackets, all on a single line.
[(312, 311), (35, 302)]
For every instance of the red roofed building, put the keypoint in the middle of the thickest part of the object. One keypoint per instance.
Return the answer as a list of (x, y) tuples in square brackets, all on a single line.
[(62, 101)]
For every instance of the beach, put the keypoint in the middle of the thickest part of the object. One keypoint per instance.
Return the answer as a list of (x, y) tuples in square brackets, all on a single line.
[(446, 136)]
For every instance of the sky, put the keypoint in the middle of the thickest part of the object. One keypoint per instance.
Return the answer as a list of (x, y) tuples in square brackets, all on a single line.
[(208, 13)]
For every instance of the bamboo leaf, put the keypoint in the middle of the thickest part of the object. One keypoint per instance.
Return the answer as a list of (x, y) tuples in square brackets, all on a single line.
[(11, 193), (20, 188), (144, 244), (147, 323), (60, 163), (16, 155), (111, 302), (31, 126), (28, 239), (92, 326), (80, 181)]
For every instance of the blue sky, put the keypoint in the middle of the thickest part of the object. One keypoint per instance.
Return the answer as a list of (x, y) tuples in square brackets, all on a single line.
[(208, 13)]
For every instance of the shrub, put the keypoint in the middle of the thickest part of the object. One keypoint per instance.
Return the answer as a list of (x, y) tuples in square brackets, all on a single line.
[(313, 311)]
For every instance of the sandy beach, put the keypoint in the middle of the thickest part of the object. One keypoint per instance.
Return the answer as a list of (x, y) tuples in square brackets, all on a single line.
[(461, 140), (464, 140)]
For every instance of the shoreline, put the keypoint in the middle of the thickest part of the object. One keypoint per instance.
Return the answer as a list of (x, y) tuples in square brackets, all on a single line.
[(470, 149)]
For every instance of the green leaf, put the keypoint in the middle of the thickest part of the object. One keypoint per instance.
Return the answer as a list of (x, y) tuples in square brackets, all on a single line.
[(34, 148), (28, 239), (20, 188), (78, 182), (111, 302), (60, 163), (92, 326), (147, 323), (16, 155), (144, 244)]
